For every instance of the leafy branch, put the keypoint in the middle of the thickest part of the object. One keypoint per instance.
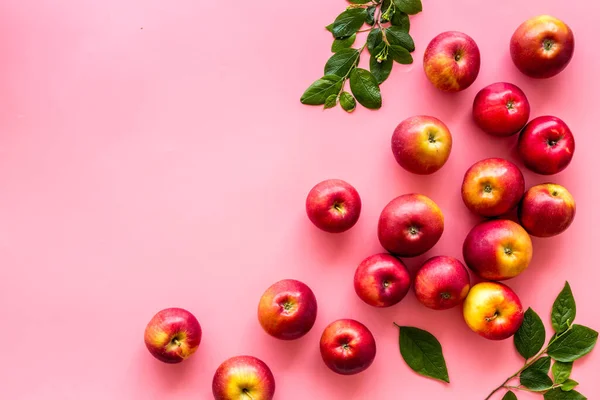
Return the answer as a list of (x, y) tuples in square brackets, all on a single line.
[(388, 40)]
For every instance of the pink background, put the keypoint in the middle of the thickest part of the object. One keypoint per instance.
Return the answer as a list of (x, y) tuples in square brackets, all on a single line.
[(155, 153)]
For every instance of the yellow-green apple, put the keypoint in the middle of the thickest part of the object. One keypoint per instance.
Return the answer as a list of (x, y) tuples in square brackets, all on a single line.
[(243, 378), (381, 280), (410, 225), (492, 187), (287, 310), (547, 210), (452, 61), (497, 250), (347, 347), (333, 205), (501, 109), (421, 144), (546, 145), (542, 46), (172, 335), (442, 282), (493, 310)]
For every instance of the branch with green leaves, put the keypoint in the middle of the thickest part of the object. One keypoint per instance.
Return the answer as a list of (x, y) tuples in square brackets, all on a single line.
[(569, 343), (388, 41)]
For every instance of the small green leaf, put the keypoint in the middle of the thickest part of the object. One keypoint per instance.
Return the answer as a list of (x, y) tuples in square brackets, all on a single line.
[(563, 309), (542, 365), (423, 353), (380, 70), (340, 44), (347, 102), (341, 62), (400, 54), (561, 371), (557, 394), (349, 22), (371, 16), (321, 89), (331, 101), (374, 39), (535, 380), (573, 344), (531, 336), (365, 88), (409, 6), (510, 396), (401, 20), (398, 37), (569, 385)]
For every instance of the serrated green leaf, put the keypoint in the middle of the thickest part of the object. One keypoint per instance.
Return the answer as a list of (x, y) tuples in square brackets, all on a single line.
[(561, 371), (400, 54), (573, 344), (569, 385), (321, 89), (409, 6), (371, 16), (380, 70), (349, 22), (347, 102), (423, 353), (342, 62), (530, 337), (563, 309), (365, 88), (401, 20), (535, 380), (374, 39), (510, 396), (330, 102), (397, 36), (557, 394), (340, 44)]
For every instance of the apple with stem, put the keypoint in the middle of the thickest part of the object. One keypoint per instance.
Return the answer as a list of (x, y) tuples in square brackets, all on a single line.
[(243, 378), (333, 205), (172, 335)]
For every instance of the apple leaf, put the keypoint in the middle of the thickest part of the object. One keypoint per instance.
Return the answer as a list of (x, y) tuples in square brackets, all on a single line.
[(409, 6), (331, 101), (531, 336), (340, 44), (380, 70), (542, 364), (535, 380), (365, 88), (342, 62), (321, 89), (400, 54), (510, 396), (561, 371), (371, 15), (401, 20), (347, 101), (349, 22), (573, 344), (374, 39), (557, 394), (423, 353), (399, 37), (563, 309), (569, 385)]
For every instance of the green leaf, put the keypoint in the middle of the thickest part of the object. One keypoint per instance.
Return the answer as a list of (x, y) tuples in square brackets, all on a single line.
[(573, 344), (401, 20), (349, 22), (423, 353), (510, 396), (331, 101), (569, 385), (359, 1), (561, 371), (340, 44), (542, 365), (398, 37), (371, 15), (400, 54), (531, 336), (563, 309), (347, 102), (557, 394), (535, 380), (374, 39), (329, 28), (365, 88), (341, 62), (380, 70), (409, 6), (321, 89)]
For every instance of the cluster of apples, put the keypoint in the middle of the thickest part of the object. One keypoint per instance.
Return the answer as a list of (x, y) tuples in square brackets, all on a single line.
[(410, 225)]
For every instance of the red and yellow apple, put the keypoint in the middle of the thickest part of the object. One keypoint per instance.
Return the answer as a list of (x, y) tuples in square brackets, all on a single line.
[(501, 109), (173, 335), (381, 280), (498, 249), (493, 310), (347, 347), (333, 205), (243, 378), (547, 210), (287, 310), (442, 282)]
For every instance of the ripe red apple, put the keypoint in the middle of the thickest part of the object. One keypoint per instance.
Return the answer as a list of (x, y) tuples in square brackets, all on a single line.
[(333, 205), (547, 210), (287, 310), (497, 250), (347, 347), (501, 109), (421, 144), (492, 187), (243, 377), (381, 280), (442, 282), (173, 335), (493, 310), (542, 46), (410, 225), (452, 61), (546, 145)]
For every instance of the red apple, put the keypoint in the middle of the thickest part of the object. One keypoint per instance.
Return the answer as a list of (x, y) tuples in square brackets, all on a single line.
[(410, 225), (547, 210), (243, 377), (287, 310), (542, 46), (173, 335), (492, 187), (442, 282), (347, 347), (421, 144), (493, 310), (546, 145), (497, 250), (452, 61), (333, 206), (381, 280), (501, 109)]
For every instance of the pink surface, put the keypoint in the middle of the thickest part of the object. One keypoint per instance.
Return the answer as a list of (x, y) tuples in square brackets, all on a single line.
[(156, 155)]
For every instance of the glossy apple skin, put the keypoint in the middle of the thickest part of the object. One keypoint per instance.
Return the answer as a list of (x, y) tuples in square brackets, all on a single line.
[(452, 61), (287, 310), (421, 144), (497, 250), (542, 47), (501, 109), (347, 347), (547, 210), (410, 225), (546, 145), (442, 282), (381, 280), (173, 335), (243, 377), (492, 187), (493, 310), (333, 206)]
